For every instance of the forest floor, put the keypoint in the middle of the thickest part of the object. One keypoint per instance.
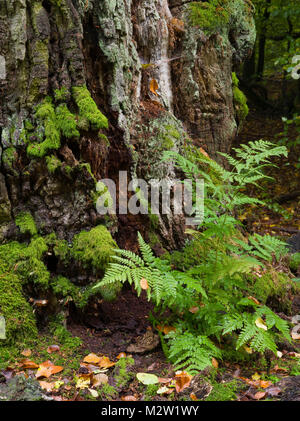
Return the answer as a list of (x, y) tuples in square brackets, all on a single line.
[(102, 368)]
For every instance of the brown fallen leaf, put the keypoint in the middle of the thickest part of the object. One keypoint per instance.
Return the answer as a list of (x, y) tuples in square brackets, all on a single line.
[(164, 380), (273, 391), (194, 310), (259, 395), (128, 398), (182, 380), (193, 397), (47, 386), (53, 348), (26, 352), (98, 379)]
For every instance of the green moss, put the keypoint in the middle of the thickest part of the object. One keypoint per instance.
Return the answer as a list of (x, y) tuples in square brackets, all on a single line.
[(295, 262), (240, 100), (94, 248), (66, 122), (151, 391), (64, 288), (209, 16), (108, 392), (224, 391), (53, 163), (192, 254), (18, 314), (46, 114), (88, 108), (61, 95), (63, 336), (9, 156), (26, 224), (274, 288), (62, 250), (121, 373)]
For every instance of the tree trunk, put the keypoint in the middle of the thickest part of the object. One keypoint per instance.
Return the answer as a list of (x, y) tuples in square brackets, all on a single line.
[(118, 50)]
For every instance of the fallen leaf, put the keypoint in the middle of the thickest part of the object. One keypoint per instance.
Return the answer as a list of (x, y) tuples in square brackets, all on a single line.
[(58, 384), (280, 369), (182, 380), (153, 86), (214, 362), (53, 348), (94, 393), (47, 386), (28, 364), (105, 363), (193, 310), (204, 152), (147, 378), (259, 395), (164, 380), (121, 355), (274, 391), (166, 329), (162, 390), (82, 382), (92, 358), (279, 354), (26, 352), (98, 379), (255, 376), (128, 398), (261, 324), (144, 283), (254, 300), (47, 368), (264, 384), (193, 397)]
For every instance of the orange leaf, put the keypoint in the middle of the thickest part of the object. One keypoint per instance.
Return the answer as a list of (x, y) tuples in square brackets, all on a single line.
[(182, 380), (121, 355), (26, 352), (193, 397), (92, 358), (204, 152), (214, 362), (265, 383), (53, 348), (28, 364), (47, 368), (144, 283), (253, 299), (153, 86), (105, 363), (165, 329)]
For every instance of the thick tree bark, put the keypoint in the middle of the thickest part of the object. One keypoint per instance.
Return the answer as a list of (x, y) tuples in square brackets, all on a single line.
[(116, 48)]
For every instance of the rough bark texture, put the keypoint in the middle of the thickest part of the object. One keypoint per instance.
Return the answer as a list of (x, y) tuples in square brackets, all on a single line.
[(115, 47)]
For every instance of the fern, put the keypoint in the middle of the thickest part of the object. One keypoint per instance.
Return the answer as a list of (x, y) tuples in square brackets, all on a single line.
[(191, 352)]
